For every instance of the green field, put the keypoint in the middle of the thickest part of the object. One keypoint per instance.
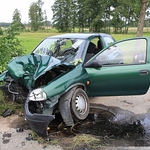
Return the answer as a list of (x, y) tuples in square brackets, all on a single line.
[(30, 40)]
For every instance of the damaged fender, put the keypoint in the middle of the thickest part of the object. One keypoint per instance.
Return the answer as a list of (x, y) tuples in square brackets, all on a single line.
[(64, 107)]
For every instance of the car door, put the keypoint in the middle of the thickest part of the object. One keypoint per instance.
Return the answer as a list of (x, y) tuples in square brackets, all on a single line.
[(121, 69)]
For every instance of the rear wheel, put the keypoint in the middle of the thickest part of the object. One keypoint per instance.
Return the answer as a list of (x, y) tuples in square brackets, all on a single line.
[(80, 104)]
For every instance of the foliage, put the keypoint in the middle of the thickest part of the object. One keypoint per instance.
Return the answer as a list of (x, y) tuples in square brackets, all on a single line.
[(9, 47), (62, 15), (5, 104), (124, 15), (97, 16), (1, 31), (36, 15), (16, 23)]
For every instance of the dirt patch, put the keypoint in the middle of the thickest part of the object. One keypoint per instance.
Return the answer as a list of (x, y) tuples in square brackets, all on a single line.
[(10, 122), (94, 133)]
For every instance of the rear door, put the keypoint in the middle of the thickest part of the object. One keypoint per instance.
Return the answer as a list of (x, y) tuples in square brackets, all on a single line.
[(122, 69)]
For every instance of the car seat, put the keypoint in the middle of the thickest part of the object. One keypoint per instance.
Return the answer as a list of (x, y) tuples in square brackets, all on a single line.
[(90, 51), (99, 47)]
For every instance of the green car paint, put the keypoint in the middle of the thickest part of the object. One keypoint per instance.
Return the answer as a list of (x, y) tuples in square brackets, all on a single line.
[(2, 76), (76, 77), (116, 81)]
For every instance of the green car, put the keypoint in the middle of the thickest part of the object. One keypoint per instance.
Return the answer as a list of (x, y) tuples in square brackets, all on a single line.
[(63, 71)]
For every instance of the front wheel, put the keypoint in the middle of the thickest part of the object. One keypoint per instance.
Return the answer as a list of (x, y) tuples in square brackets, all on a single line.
[(80, 104)]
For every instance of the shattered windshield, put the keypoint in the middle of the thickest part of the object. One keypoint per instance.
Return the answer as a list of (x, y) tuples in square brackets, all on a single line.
[(68, 50)]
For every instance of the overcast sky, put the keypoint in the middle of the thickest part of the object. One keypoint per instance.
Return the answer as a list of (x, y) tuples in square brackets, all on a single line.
[(7, 8)]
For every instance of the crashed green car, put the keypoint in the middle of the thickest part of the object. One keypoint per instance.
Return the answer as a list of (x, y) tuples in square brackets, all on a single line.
[(63, 71)]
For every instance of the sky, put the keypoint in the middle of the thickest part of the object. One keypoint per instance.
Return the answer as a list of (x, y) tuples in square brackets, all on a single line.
[(7, 8)]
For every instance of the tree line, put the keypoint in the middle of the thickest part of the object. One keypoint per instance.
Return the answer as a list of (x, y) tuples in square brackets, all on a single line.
[(87, 15), (97, 15)]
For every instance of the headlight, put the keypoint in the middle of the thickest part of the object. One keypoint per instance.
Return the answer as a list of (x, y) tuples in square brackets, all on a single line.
[(37, 95)]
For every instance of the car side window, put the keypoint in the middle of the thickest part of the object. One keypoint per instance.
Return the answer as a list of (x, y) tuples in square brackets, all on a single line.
[(108, 40), (125, 52)]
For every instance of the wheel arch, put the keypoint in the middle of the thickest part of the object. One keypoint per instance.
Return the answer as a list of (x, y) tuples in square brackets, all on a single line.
[(75, 86)]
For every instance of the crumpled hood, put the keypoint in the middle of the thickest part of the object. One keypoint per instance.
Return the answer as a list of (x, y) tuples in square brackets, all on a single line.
[(25, 69)]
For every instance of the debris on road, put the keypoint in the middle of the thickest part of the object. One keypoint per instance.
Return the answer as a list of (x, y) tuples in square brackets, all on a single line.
[(7, 112)]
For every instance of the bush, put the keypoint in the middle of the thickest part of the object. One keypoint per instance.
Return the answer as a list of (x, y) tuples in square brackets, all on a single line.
[(9, 47)]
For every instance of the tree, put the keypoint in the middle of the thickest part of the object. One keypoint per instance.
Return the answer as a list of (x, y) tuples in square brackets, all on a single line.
[(81, 17), (36, 15), (93, 16), (142, 17), (62, 15), (45, 18), (123, 14), (16, 23), (97, 15)]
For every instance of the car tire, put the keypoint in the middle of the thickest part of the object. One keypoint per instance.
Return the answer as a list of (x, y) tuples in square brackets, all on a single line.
[(79, 104)]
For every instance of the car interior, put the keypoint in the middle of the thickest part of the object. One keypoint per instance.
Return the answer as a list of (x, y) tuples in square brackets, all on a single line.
[(93, 49)]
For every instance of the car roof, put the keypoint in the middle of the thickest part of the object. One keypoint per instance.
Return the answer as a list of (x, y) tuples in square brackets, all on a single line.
[(79, 35)]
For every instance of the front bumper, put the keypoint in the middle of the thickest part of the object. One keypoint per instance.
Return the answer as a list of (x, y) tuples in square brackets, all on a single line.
[(38, 122)]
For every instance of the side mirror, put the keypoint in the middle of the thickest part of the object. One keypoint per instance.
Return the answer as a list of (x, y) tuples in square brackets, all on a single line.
[(93, 64)]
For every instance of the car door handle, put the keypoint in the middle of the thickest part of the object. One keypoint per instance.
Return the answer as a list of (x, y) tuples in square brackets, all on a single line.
[(144, 72)]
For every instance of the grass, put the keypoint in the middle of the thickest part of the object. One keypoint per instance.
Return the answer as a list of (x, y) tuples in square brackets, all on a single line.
[(30, 40), (77, 142), (86, 140), (4, 104), (122, 36)]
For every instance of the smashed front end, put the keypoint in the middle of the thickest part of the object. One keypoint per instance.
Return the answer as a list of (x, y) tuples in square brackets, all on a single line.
[(26, 73), (40, 78), (11, 89), (41, 106), (39, 112), (50, 83)]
